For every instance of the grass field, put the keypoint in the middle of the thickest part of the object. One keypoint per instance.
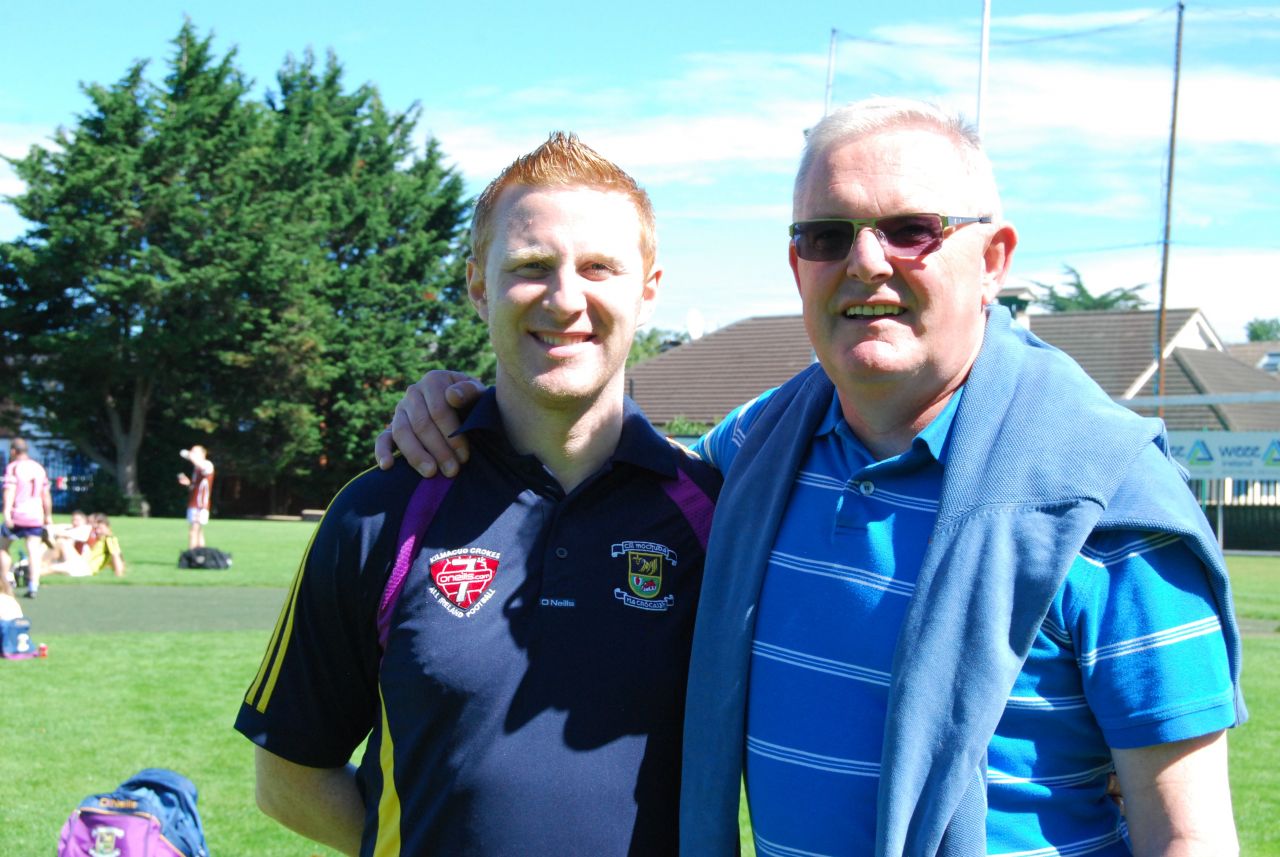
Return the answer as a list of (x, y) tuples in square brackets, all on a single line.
[(148, 671)]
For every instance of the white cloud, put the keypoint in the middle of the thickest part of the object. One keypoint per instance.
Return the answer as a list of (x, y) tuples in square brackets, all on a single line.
[(1222, 105), (717, 113), (15, 141), (1072, 22)]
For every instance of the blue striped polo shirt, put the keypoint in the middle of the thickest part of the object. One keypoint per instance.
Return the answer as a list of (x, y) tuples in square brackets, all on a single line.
[(1131, 654)]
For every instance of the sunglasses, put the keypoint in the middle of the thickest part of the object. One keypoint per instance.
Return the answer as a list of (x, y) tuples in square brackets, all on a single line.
[(913, 235)]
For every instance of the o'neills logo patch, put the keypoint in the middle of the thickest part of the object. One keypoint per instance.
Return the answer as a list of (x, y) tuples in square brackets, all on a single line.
[(645, 562), (462, 579)]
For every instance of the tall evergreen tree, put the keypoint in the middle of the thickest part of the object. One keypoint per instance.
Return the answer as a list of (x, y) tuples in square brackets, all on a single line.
[(383, 252), (261, 278), (125, 288)]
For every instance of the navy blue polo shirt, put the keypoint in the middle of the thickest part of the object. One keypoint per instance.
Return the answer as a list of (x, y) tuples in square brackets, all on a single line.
[(531, 696)]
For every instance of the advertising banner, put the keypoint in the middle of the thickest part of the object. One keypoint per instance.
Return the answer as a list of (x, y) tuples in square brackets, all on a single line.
[(1251, 456)]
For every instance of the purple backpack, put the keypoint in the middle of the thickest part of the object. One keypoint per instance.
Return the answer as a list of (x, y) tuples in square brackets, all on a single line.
[(151, 814)]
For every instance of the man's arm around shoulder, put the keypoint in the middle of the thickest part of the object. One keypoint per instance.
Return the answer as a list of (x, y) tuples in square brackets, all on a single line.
[(322, 804), (1177, 798)]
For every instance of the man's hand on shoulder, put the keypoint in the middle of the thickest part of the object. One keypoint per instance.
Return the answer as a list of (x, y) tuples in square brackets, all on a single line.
[(425, 418)]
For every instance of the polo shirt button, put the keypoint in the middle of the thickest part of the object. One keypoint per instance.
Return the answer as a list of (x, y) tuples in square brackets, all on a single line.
[(866, 488), (562, 553)]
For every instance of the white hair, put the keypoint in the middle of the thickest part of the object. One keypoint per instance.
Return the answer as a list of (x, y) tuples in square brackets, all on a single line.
[(874, 115)]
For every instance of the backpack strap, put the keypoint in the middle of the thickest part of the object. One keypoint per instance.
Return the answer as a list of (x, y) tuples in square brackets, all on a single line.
[(693, 503), (423, 505)]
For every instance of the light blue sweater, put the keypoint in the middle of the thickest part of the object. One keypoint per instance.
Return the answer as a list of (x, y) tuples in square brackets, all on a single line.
[(1040, 457)]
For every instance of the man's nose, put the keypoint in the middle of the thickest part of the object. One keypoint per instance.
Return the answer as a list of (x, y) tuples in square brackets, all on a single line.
[(867, 260), (565, 294)]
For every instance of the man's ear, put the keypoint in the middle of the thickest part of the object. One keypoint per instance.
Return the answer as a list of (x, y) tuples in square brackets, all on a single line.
[(794, 261), (649, 295), (997, 260), (475, 289)]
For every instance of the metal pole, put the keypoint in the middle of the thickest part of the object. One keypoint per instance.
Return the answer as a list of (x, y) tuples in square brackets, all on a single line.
[(982, 62), (1168, 207), (1222, 500), (831, 70)]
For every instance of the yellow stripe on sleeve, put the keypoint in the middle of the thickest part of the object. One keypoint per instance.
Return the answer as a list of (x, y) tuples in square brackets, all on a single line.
[(388, 841), (273, 661)]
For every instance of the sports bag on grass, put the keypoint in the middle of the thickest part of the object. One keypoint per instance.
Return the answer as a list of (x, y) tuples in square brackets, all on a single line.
[(15, 639), (151, 814), (204, 558)]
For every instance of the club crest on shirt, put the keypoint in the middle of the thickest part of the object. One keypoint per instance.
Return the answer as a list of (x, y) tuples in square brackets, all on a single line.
[(462, 579), (105, 840), (645, 565)]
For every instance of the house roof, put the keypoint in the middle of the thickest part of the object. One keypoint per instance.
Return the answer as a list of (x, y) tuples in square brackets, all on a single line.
[(705, 379), (1251, 353), (1207, 371), (1113, 347), (1118, 348)]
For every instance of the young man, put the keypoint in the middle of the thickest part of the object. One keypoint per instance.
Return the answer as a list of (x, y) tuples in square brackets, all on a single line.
[(28, 509), (527, 695), (200, 497), (951, 585)]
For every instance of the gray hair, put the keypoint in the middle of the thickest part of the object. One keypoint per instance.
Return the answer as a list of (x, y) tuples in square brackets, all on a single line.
[(874, 115)]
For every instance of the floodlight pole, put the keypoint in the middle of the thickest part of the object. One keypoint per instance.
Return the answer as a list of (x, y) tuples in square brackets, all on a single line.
[(982, 63), (1168, 207), (831, 70)]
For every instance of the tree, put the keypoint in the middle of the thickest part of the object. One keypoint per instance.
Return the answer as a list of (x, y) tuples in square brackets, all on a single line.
[(1076, 298), (262, 278), (384, 239), (1263, 329), (652, 342), (110, 302)]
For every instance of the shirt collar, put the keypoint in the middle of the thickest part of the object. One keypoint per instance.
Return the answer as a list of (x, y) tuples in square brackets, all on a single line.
[(931, 439), (640, 443)]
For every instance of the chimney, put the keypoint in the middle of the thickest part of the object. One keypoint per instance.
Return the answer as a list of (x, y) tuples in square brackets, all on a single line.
[(1017, 299)]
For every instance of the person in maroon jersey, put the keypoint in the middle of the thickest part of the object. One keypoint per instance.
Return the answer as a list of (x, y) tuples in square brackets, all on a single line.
[(200, 499)]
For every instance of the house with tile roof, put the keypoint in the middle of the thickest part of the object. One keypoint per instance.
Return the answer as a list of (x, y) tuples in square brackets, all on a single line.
[(1117, 349), (1259, 355), (703, 380)]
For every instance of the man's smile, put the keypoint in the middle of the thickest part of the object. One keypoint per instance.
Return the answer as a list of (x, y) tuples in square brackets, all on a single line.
[(873, 310)]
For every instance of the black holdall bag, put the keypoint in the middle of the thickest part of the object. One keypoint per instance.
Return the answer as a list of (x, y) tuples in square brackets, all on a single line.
[(204, 558)]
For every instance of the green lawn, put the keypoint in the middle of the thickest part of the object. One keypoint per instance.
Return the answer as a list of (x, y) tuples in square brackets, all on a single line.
[(148, 671)]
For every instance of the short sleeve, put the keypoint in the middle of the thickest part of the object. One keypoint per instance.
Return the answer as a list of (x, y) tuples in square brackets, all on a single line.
[(1149, 640), (315, 696), (719, 446)]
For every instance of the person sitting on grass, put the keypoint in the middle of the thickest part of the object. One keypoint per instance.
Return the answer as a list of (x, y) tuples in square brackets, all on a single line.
[(69, 547), (103, 547)]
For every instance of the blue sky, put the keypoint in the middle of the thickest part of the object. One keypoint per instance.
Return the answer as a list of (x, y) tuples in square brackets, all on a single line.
[(706, 104)]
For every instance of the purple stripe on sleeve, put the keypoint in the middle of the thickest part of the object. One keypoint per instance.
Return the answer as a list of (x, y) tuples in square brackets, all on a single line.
[(694, 504)]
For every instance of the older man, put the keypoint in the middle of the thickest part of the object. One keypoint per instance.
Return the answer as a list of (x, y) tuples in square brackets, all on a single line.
[(951, 586), (517, 658)]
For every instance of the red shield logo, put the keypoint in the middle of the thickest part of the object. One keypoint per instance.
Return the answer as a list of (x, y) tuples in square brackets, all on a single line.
[(464, 576)]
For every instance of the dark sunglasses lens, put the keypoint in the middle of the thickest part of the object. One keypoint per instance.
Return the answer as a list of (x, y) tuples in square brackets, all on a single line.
[(912, 234), (823, 240)]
